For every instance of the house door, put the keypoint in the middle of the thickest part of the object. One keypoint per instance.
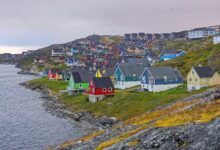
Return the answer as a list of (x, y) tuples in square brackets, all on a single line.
[(193, 88)]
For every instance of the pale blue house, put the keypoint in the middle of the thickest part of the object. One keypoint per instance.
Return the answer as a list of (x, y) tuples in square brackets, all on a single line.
[(171, 54)]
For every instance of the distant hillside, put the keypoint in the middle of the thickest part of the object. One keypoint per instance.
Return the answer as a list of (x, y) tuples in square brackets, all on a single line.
[(199, 52), (46, 51)]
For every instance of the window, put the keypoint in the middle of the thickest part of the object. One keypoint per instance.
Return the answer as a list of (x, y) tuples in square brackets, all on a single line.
[(151, 80), (190, 79), (121, 78), (80, 85), (196, 80), (165, 78), (134, 76), (143, 79), (192, 72), (104, 90), (110, 89)]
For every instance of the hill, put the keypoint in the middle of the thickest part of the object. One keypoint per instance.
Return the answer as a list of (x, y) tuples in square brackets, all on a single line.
[(199, 52)]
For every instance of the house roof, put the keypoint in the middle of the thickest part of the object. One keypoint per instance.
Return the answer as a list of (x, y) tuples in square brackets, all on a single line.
[(76, 77), (108, 72), (56, 70), (172, 51), (84, 73), (58, 50), (204, 72), (130, 69), (160, 72), (102, 82)]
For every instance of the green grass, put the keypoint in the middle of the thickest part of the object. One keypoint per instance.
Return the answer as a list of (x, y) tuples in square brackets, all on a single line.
[(188, 45), (126, 104), (53, 85)]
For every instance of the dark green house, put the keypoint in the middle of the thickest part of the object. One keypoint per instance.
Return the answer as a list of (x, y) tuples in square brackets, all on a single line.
[(127, 75)]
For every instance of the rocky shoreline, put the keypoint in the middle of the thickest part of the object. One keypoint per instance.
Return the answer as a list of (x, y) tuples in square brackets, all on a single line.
[(204, 136), (54, 106)]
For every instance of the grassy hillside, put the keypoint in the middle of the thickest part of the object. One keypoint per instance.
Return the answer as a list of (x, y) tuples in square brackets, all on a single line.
[(124, 105), (202, 53), (188, 45)]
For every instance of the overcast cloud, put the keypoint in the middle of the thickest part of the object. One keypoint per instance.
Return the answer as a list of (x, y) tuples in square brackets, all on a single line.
[(31, 24)]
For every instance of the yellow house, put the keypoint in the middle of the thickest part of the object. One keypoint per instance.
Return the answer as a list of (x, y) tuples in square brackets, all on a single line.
[(199, 77), (59, 76)]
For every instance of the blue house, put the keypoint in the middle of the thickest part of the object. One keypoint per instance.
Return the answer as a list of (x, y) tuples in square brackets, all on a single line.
[(156, 79), (74, 50), (70, 61), (171, 54)]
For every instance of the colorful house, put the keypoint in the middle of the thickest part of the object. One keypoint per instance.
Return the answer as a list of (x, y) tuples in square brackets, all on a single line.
[(216, 39), (100, 88), (171, 54), (156, 79), (199, 77), (127, 75), (79, 79), (74, 50), (55, 73), (69, 61), (66, 75)]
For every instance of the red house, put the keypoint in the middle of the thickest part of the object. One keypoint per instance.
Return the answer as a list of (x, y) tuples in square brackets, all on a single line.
[(99, 88), (52, 74)]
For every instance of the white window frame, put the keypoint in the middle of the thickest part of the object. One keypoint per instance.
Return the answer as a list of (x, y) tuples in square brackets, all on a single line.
[(110, 89)]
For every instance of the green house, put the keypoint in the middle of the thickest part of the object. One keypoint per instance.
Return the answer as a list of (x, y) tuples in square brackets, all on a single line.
[(79, 80)]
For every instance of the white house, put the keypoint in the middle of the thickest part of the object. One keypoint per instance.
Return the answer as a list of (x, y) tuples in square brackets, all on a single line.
[(216, 39), (57, 52), (200, 33)]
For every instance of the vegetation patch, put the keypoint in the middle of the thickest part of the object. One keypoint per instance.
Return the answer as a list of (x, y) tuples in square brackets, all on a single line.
[(53, 85), (121, 138), (206, 55), (75, 141), (199, 114)]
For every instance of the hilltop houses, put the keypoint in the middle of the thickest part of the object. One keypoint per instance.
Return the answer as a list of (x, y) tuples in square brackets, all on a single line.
[(200, 33), (171, 54), (216, 39), (100, 88), (199, 77), (127, 75), (57, 52), (156, 79)]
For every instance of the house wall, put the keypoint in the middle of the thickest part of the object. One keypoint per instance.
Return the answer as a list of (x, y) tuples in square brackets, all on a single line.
[(126, 84), (216, 39), (158, 88), (59, 77), (215, 79), (196, 34), (94, 98)]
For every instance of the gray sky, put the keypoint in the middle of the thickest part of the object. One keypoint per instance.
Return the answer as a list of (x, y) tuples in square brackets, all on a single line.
[(32, 24)]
